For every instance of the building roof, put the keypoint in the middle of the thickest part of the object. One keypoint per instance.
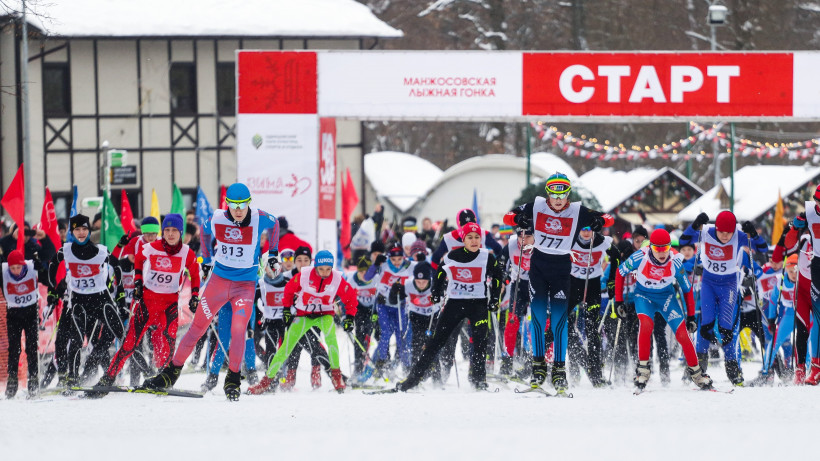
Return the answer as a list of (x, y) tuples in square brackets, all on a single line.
[(401, 178), (612, 187), (551, 163), (756, 189), (217, 18)]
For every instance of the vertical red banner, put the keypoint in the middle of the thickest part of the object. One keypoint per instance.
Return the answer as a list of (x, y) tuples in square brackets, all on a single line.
[(327, 168)]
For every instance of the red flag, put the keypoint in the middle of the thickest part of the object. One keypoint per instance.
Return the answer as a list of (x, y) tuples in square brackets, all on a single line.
[(48, 224), (14, 202), (223, 192), (126, 217), (349, 201)]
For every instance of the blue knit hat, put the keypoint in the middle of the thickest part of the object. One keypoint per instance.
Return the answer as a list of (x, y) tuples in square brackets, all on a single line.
[(323, 258), (173, 220), (237, 192)]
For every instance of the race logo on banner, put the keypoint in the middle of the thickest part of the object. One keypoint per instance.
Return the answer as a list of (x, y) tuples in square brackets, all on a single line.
[(327, 168)]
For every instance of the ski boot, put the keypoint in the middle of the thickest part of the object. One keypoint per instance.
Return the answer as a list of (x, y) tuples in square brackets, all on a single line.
[(251, 376), (642, 373), (539, 373), (814, 373), (48, 375), (210, 382), (481, 386), (506, 366), (11, 387), (289, 381), (33, 388), (699, 377), (734, 373), (266, 385), (763, 379), (231, 386), (800, 374), (165, 379), (135, 378), (664, 374), (316, 377), (105, 381), (703, 361), (337, 379), (559, 377)]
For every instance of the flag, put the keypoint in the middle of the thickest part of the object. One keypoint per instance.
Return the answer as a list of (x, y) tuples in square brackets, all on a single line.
[(178, 206), (203, 208), (111, 231), (475, 207), (126, 217), (74, 202), (777, 225), (154, 204), (48, 220), (14, 202), (349, 201), (223, 192)]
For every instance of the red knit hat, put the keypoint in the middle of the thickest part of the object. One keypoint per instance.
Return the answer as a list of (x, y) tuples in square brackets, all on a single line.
[(725, 222), (660, 237), (467, 228), (16, 258), (817, 193)]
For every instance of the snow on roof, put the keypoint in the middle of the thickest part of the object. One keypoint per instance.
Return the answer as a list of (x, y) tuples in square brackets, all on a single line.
[(756, 189), (399, 177), (552, 163), (128, 18), (612, 187)]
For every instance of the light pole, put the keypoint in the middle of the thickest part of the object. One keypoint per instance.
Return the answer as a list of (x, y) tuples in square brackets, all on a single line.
[(716, 17)]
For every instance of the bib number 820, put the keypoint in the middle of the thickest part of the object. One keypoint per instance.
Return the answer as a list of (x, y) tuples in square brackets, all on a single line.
[(25, 299)]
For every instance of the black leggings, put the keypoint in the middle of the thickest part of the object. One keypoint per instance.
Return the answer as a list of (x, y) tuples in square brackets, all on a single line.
[(93, 316), (19, 320), (450, 318), (420, 324), (273, 332), (363, 321), (589, 358)]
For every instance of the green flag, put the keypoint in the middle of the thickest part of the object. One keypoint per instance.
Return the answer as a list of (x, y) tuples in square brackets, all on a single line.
[(178, 206), (111, 225)]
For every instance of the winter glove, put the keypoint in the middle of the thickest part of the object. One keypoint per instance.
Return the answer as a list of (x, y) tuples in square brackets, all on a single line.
[(206, 270), (691, 324), (395, 293), (275, 267), (620, 309), (193, 303), (523, 221), (381, 300), (597, 224), (374, 317), (287, 316), (698, 270), (698, 223), (53, 298), (137, 290), (493, 306), (435, 298), (610, 289), (421, 257), (799, 221), (121, 300), (380, 259), (772, 326), (749, 228), (347, 325), (123, 241)]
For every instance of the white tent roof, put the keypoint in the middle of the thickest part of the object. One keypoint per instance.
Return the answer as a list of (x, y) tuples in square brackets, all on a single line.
[(612, 187), (401, 178), (551, 163), (756, 189), (141, 18)]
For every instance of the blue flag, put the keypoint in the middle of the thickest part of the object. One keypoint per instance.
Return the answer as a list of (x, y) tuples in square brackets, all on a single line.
[(74, 202), (203, 208), (475, 207)]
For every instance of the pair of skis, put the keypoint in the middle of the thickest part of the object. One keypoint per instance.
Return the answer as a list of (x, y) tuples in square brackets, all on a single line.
[(90, 391)]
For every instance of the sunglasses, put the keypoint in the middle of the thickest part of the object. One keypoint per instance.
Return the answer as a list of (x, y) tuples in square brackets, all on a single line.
[(557, 194), (238, 205), (661, 248), (288, 258)]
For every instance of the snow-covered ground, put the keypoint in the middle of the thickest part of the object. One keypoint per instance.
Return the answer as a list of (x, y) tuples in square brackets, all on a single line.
[(668, 423)]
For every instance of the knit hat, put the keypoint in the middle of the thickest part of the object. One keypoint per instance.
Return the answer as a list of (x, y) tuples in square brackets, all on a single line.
[(395, 250), (467, 228), (79, 220), (363, 264), (377, 246), (558, 184), (464, 216), (283, 223), (407, 239), (640, 230), (790, 261), (817, 193), (286, 252), (660, 237), (237, 192), (418, 247), (173, 220), (16, 258), (410, 224), (423, 271), (323, 258), (725, 222), (149, 225), (303, 250)]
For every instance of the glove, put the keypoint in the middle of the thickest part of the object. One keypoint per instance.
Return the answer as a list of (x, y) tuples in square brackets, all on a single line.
[(421, 257), (137, 290), (381, 300), (206, 270), (193, 303), (435, 298), (597, 223), (620, 309), (287, 316), (523, 221), (380, 259), (121, 300), (493, 306), (698, 223), (691, 324), (698, 270), (799, 221), (374, 317), (610, 289), (772, 326), (347, 324), (394, 293), (53, 298), (123, 241), (749, 228), (275, 267)]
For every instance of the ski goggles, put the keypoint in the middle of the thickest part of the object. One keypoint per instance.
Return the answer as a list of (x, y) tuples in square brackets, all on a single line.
[(558, 195), (288, 259), (661, 248), (238, 205)]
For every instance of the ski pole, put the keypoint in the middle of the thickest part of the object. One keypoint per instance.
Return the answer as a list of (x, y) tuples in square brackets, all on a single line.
[(603, 317), (615, 348)]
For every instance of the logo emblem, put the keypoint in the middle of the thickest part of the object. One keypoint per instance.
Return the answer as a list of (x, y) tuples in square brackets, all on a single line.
[(656, 272), (464, 274), (164, 263), (233, 234), (257, 141), (553, 225), (84, 270), (716, 252)]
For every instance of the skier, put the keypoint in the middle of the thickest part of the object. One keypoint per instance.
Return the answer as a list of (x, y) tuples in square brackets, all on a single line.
[(364, 314), (556, 224), (236, 264), (585, 292), (89, 304), (452, 240), (517, 253), (312, 292), (158, 273), (20, 289), (721, 247), (270, 294), (779, 317), (655, 271)]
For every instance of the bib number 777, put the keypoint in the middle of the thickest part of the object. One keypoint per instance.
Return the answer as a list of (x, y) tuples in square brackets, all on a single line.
[(551, 242)]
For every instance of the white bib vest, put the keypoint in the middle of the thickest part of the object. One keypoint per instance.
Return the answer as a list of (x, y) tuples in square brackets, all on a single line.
[(719, 258), (272, 300), (235, 246), (366, 293), (389, 276), (467, 280), (419, 301), (317, 302), (162, 273), (86, 276), (588, 264), (813, 222), (20, 293), (554, 232), (653, 276), (515, 254)]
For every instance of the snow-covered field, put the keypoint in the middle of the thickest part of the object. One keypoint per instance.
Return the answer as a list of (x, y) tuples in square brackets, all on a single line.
[(668, 423)]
